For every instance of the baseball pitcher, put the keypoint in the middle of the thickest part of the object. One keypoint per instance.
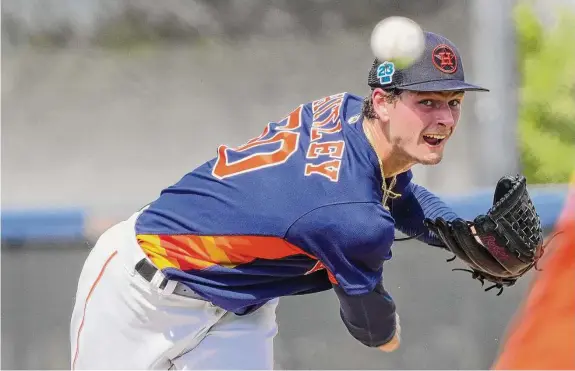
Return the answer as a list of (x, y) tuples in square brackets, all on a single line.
[(192, 280)]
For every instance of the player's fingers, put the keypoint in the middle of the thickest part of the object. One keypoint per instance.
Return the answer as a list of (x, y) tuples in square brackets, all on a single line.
[(392, 345)]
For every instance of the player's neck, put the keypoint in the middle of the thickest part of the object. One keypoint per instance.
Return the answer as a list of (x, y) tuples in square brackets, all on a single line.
[(391, 162)]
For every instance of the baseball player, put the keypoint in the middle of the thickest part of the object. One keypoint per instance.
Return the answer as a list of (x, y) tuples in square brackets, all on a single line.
[(193, 279)]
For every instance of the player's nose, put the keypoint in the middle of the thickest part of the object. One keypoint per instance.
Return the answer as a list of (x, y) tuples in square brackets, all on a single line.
[(445, 117)]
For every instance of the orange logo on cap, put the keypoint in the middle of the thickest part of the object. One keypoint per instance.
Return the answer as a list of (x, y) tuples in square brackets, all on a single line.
[(444, 59)]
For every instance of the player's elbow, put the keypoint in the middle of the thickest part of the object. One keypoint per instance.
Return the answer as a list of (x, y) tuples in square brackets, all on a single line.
[(369, 318), (370, 336)]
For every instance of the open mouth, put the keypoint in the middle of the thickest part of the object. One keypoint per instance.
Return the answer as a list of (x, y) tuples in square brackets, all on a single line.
[(434, 139)]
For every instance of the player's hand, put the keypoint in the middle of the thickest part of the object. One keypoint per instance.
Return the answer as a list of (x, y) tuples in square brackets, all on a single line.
[(394, 343), (501, 245)]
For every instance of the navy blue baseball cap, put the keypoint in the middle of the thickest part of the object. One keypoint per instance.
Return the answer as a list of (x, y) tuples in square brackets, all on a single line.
[(439, 68)]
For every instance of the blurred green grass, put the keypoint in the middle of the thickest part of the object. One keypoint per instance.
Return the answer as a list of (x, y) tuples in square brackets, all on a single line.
[(546, 63)]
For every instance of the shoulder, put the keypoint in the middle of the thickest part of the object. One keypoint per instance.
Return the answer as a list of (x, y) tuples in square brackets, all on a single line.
[(350, 104), (340, 109), (351, 108)]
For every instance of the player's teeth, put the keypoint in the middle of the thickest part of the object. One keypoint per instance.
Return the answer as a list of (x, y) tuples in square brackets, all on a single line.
[(434, 136)]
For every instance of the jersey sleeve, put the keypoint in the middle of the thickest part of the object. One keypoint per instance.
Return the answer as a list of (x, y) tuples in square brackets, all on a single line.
[(351, 240), (415, 204), (369, 318)]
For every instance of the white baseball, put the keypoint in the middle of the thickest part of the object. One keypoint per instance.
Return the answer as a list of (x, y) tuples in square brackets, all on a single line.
[(399, 40)]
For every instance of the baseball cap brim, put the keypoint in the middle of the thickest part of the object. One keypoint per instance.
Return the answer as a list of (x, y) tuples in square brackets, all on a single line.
[(442, 85)]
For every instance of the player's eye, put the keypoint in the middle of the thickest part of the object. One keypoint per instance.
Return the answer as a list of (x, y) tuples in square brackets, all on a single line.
[(455, 103), (426, 102)]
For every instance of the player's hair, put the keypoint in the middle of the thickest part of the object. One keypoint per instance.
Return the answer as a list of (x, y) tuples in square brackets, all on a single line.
[(367, 107)]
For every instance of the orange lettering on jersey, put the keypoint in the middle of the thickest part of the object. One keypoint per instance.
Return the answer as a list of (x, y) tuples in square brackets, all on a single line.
[(329, 169), (331, 118), (331, 149), (326, 120), (293, 122), (331, 110), (286, 136), (318, 103), (262, 135), (317, 132), (330, 106)]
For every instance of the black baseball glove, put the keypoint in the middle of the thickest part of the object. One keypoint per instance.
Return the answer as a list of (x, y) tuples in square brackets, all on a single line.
[(502, 245)]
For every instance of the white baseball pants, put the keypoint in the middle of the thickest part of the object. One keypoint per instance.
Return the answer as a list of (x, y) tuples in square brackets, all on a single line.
[(122, 321)]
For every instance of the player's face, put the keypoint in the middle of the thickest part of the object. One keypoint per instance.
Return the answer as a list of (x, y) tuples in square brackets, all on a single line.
[(421, 123)]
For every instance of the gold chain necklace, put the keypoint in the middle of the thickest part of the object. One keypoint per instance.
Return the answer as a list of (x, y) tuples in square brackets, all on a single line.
[(386, 191)]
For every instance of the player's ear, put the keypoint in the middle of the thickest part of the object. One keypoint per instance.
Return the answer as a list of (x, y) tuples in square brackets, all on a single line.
[(379, 99)]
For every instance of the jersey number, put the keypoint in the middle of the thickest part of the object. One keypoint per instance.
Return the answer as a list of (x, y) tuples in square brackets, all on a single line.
[(286, 135)]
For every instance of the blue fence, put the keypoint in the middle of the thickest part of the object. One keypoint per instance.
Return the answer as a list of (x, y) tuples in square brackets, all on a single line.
[(36, 224), (72, 223)]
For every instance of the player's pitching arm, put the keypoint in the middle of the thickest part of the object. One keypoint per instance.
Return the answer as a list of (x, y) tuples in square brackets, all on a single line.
[(371, 318), (352, 241)]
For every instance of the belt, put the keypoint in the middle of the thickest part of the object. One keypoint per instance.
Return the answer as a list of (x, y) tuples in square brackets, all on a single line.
[(147, 270)]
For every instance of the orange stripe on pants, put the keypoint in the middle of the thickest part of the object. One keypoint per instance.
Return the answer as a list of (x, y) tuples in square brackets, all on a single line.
[(86, 304), (542, 335)]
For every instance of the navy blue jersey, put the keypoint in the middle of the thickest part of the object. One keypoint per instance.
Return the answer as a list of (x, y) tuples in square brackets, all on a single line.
[(293, 211)]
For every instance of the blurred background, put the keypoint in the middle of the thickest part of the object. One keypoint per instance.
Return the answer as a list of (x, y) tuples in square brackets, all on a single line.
[(106, 102)]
